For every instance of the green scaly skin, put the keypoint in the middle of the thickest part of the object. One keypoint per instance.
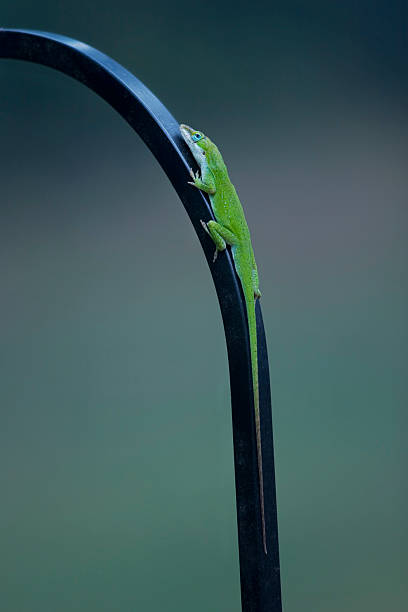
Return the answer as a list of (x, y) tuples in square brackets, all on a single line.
[(230, 228)]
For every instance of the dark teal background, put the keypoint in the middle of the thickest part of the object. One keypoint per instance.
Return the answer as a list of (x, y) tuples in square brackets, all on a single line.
[(116, 472)]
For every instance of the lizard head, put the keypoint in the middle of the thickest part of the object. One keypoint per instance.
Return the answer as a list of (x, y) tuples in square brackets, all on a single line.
[(198, 143)]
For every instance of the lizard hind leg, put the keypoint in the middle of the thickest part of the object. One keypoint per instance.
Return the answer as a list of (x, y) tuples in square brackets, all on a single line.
[(255, 281), (220, 235), (255, 284)]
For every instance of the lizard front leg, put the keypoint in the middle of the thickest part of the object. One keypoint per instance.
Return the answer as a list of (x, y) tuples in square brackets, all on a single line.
[(206, 183)]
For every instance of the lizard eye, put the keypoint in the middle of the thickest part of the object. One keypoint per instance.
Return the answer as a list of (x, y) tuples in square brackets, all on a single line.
[(197, 136)]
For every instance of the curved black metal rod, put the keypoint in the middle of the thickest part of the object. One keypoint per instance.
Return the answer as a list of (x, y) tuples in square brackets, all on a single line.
[(260, 578)]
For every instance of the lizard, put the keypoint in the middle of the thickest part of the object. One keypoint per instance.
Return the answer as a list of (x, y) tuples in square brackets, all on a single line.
[(230, 228)]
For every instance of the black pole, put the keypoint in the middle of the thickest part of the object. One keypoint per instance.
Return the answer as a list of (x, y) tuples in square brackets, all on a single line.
[(260, 576)]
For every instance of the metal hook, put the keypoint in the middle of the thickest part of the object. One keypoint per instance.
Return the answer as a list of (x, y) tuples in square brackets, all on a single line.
[(260, 576)]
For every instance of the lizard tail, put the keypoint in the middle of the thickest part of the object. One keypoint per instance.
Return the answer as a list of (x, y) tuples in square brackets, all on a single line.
[(250, 304)]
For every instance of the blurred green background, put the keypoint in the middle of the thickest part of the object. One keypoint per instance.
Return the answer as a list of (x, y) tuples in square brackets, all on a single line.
[(116, 470)]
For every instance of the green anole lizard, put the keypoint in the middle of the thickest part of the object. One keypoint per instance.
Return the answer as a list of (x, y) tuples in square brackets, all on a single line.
[(230, 228)]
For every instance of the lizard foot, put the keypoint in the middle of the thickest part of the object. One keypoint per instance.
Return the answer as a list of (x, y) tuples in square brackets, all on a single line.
[(194, 176), (203, 223)]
